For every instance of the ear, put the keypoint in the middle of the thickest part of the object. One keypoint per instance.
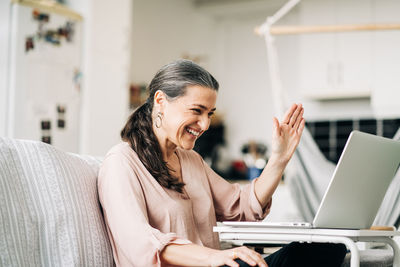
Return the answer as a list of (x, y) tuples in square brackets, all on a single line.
[(160, 100)]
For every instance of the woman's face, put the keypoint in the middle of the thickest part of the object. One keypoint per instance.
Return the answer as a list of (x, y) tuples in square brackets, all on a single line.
[(187, 117)]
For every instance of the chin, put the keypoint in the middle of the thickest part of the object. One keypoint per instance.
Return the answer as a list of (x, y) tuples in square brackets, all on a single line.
[(187, 146)]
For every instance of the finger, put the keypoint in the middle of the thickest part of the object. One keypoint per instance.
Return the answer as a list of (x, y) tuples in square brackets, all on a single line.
[(253, 254), (298, 120), (295, 115), (255, 257), (262, 263), (301, 127), (232, 263), (289, 113), (276, 129), (259, 259), (246, 258)]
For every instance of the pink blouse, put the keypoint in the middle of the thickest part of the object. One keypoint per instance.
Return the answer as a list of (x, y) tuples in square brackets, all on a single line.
[(142, 217)]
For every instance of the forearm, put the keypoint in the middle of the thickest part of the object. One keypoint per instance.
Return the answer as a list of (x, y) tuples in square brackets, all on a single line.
[(285, 138), (268, 181), (186, 255)]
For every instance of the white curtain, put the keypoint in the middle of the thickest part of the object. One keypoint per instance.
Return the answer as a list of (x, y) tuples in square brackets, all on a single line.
[(311, 176), (389, 212)]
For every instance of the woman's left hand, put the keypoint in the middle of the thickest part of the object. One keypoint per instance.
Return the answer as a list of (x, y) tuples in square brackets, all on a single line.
[(286, 135)]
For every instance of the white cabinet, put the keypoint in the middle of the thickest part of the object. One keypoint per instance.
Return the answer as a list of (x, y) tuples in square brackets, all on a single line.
[(386, 61), (357, 64), (336, 63)]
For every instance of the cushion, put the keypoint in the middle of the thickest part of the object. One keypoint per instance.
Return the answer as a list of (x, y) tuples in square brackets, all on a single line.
[(372, 258), (49, 209)]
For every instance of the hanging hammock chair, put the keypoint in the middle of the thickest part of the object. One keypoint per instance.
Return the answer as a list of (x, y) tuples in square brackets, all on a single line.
[(310, 174)]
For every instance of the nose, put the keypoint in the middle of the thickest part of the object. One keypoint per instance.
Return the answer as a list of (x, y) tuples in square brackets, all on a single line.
[(204, 123)]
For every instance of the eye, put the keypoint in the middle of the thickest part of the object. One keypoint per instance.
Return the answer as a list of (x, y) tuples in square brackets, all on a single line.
[(210, 114), (196, 110)]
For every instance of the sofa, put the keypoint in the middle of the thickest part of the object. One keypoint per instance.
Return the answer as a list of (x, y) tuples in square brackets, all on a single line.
[(49, 209), (50, 214)]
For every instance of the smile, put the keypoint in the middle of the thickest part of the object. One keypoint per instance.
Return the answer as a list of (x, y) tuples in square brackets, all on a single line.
[(193, 132)]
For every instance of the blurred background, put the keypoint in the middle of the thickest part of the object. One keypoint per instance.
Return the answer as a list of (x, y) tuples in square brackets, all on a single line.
[(72, 78)]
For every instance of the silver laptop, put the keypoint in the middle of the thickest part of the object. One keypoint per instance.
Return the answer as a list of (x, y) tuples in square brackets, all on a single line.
[(362, 176)]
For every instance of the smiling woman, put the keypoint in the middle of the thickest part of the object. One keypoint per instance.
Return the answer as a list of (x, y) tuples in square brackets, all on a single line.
[(169, 117), (190, 117), (161, 200)]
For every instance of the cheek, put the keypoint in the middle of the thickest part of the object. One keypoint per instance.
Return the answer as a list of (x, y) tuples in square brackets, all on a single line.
[(177, 127), (209, 123)]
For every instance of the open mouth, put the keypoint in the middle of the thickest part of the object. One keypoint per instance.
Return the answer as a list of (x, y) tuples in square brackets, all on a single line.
[(192, 132)]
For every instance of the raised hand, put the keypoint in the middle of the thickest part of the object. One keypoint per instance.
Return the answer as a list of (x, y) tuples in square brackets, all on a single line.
[(286, 134), (227, 257)]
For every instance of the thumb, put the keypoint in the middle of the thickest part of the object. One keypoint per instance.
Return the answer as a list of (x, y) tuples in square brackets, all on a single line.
[(276, 128)]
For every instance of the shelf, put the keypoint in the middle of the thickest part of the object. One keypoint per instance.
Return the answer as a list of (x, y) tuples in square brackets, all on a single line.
[(333, 95)]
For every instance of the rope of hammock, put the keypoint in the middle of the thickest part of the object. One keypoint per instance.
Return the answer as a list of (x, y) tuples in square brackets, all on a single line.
[(278, 94)]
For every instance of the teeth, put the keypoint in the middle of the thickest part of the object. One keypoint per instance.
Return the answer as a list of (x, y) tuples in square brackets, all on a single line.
[(193, 132)]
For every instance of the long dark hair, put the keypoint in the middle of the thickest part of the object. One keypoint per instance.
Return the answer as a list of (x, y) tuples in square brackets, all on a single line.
[(172, 79)]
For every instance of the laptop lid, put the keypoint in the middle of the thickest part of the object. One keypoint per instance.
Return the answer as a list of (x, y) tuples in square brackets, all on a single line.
[(362, 176)]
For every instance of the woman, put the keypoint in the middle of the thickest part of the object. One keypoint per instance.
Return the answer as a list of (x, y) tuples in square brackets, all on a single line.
[(161, 200)]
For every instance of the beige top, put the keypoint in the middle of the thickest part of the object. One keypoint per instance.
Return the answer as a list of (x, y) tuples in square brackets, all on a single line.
[(142, 217)]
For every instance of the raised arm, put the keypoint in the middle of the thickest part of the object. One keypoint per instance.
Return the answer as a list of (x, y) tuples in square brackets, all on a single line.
[(285, 138)]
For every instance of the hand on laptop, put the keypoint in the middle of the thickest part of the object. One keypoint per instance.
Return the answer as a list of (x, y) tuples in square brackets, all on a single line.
[(286, 134), (229, 256)]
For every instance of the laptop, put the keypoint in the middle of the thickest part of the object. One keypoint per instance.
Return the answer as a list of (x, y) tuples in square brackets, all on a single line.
[(358, 185)]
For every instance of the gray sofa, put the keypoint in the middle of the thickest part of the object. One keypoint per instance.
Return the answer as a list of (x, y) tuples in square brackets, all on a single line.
[(49, 209), (50, 214)]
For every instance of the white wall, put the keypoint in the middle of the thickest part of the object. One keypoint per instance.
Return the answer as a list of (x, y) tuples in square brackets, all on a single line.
[(222, 34), (4, 42), (164, 31), (106, 70), (245, 96), (233, 54), (368, 61)]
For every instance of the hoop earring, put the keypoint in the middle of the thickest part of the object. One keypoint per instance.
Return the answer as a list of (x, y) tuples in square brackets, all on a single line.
[(158, 121)]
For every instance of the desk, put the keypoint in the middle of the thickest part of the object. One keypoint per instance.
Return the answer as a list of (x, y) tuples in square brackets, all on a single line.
[(248, 234)]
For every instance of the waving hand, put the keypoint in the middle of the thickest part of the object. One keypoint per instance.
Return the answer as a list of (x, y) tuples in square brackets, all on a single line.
[(286, 134)]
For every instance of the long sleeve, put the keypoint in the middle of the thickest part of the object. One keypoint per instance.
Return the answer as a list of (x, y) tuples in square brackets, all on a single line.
[(233, 202), (135, 242)]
